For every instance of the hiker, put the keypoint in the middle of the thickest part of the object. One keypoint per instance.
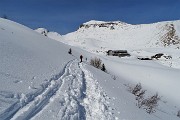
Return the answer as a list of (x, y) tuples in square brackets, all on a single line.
[(70, 51), (103, 68), (81, 57)]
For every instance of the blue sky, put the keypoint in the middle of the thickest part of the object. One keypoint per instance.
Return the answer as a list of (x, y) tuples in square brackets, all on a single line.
[(65, 16)]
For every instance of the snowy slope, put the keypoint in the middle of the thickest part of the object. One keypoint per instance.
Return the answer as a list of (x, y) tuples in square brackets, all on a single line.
[(123, 104), (39, 80), (151, 39), (115, 35), (37, 74), (144, 40), (100, 36), (28, 62), (27, 55), (52, 35)]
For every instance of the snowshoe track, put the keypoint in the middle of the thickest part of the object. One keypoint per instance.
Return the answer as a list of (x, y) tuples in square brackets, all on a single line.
[(31, 108), (73, 95)]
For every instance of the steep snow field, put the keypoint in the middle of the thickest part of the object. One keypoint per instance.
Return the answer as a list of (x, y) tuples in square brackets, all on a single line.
[(40, 80), (28, 63)]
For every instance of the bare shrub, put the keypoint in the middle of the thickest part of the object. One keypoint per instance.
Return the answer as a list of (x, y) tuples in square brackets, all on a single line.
[(140, 98), (142, 102), (151, 103), (96, 62), (140, 95), (136, 89)]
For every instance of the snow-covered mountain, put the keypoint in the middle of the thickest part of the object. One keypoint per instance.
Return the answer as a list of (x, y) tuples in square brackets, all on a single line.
[(141, 41), (144, 40), (120, 35), (39, 80)]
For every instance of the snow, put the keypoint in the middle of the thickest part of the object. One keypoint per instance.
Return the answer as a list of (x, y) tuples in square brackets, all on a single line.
[(76, 99), (100, 22), (39, 80), (144, 40), (28, 61), (141, 41), (96, 103), (152, 75), (52, 35), (124, 36), (123, 104)]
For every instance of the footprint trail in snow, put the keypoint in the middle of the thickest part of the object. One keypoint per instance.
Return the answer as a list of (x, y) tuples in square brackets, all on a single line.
[(76, 95)]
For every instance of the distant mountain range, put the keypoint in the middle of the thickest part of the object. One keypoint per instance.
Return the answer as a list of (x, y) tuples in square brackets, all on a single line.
[(117, 34)]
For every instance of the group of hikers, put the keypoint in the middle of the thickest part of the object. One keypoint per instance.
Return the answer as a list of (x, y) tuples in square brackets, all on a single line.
[(81, 57)]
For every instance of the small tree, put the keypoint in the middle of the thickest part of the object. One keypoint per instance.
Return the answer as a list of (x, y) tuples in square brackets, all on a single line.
[(151, 103), (136, 89), (96, 62)]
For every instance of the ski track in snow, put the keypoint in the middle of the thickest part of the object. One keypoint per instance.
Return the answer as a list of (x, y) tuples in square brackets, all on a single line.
[(30, 108), (74, 95)]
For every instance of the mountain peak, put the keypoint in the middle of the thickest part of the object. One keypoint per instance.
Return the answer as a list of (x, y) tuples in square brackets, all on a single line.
[(106, 24), (92, 22)]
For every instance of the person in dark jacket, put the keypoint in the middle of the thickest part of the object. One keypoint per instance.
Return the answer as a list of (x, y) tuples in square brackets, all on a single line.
[(81, 57), (70, 51)]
